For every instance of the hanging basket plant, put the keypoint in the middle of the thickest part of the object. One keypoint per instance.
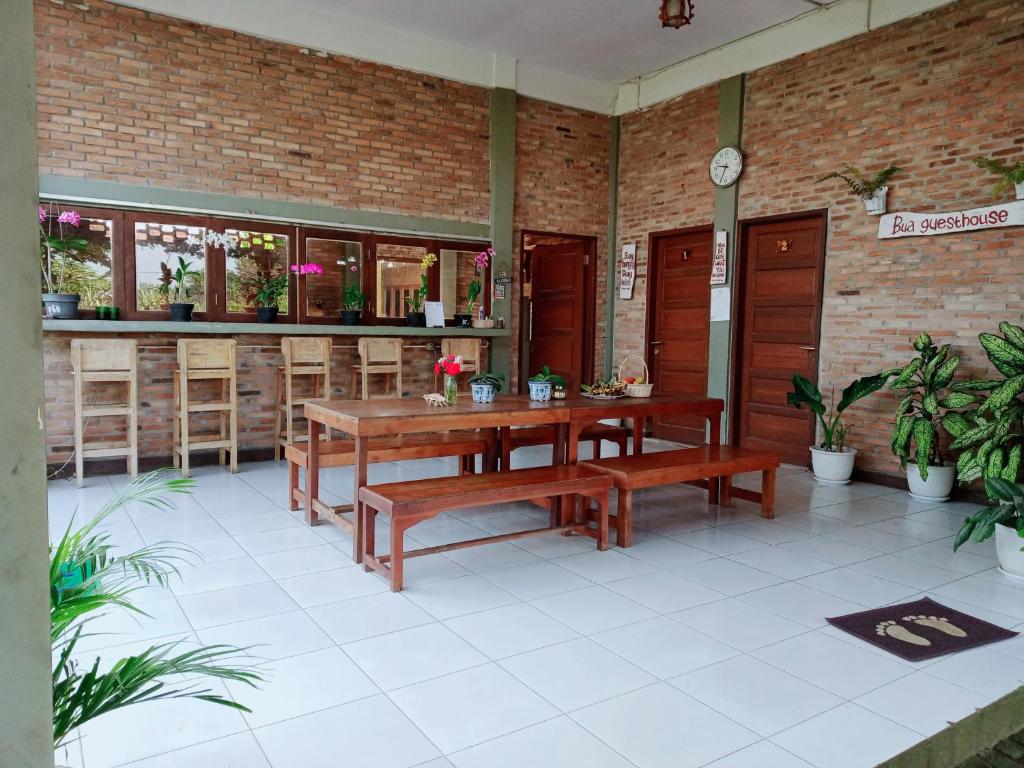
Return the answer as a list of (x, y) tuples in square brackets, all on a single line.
[(872, 191), (1009, 176)]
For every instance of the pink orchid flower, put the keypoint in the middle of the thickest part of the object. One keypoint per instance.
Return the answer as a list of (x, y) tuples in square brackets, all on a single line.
[(70, 217), (42, 215)]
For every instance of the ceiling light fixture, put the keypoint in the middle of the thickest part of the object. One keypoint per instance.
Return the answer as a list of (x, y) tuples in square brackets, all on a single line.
[(676, 13)]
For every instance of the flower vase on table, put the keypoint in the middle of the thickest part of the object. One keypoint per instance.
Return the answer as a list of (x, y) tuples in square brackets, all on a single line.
[(451, 389), (451, 367)]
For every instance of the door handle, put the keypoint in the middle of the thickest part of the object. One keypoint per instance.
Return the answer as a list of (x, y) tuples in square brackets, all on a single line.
[(656, 342), (809, 349)]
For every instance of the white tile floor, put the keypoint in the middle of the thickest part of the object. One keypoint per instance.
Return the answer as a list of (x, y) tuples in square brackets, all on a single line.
[(704, 644)]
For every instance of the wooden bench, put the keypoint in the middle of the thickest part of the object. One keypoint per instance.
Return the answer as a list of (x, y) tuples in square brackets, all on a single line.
[(341, 453), (545, 435), (709, 465), (414, 501)]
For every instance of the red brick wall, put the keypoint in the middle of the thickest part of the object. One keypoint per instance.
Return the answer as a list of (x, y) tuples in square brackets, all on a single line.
[(562, 158), (927, 94), (139, 98), (663, 184)]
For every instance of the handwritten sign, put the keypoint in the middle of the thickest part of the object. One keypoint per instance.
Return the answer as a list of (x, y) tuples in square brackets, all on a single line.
[(908, 224), (718, 263), (627, 271)]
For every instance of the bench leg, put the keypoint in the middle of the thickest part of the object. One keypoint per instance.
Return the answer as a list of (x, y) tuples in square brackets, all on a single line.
[(397, 540), (369, 530), (768, 494), (725, 491), (623, 449), (712, 490), (624, 519), (293, 484), (602, 521), (506, 449)]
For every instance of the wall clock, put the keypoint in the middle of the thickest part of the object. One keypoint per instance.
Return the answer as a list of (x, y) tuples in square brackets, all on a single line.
[(726, 166)]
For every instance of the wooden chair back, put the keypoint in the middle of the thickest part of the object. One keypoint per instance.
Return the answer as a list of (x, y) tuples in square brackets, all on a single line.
[(99, 355), (306, 351), (470, 349), (377, 353), (199, 355)]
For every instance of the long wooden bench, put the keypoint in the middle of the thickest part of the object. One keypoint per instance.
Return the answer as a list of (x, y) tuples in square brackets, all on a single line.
[(341, 453), (545, 435), (710, 465), (414, 501)]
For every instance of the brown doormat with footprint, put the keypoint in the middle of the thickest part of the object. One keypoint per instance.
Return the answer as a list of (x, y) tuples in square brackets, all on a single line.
[(920, 630)]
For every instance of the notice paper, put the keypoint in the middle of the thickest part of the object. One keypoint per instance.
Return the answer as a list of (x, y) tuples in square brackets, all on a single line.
[(721, 303)]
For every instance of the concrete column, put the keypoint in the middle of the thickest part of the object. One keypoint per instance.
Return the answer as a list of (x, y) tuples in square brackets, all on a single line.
[(613, 244), (26, 725), (503, 189), (730, 131)]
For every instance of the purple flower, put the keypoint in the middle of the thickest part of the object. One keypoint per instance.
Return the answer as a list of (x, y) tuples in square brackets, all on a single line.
[(42, 215), (70, 217), (483, 258)]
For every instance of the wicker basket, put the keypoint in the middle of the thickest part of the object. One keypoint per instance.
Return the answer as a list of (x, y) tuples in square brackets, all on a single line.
[(637, 390)]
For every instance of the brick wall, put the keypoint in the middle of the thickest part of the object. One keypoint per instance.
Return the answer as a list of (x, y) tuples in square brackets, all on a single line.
[(663, 184), (140, 98), (562, 158), (927, 94)]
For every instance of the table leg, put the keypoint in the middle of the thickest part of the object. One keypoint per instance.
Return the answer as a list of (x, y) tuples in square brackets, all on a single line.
[(312, 470), (715, 424), (362, 446), (638, 434)]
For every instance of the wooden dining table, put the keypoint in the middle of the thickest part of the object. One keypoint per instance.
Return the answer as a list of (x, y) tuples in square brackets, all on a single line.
[(365, 420)]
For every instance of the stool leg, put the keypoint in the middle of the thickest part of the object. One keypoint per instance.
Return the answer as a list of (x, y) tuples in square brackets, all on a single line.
[(277, 415), (79, 434), (366, 383), (602, 520), (133, 426), (175, 422), (768, 494), (222, 430), (289, 416), (183, 427), (233, 422), (624, 519), (293, 485)]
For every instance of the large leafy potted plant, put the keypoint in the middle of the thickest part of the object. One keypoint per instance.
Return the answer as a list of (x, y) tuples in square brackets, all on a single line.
[(542, 383), (832, 460), (414, 315), (352, 303), (1010, 176), (1004, 519), (872, 191), (174, 285), (89, 576), (58, 248), (268, 294), (990, 435), (916, 437)]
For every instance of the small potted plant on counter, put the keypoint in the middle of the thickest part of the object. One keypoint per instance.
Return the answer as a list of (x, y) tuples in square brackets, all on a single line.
[(1004, 519), (918, 424), (352, 304), (58, 247), (542, 383), (485, 386), (414, 316), (1010, 176), (872, 190), (174, 286), (481, 260), (832, 460), (268, 293)]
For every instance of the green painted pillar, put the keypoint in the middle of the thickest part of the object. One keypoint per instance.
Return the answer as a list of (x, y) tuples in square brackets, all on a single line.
[(730, 131), (613, 244), (26, 726), (503, 189)]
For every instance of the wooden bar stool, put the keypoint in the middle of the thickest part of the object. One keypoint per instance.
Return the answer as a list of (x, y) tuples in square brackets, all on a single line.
[(303, 356), (205, 360), (106, 361), (377, 357), (472, 362)]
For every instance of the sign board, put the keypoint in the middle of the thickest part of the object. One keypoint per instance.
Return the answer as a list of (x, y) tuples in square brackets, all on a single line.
[(907, 224), (500, 282), (627, 271), (435, 313), (718, 262)]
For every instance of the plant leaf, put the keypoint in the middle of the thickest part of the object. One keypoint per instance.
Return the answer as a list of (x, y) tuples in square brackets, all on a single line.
[(957, 400), (924, 433), (1004, 394), (861, 388), (944, 373)]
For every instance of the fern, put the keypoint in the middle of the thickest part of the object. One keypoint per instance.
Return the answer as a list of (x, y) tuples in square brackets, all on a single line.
[(1011, 175), (863, 187)]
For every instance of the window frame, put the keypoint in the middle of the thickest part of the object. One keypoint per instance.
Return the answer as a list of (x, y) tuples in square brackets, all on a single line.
[(114, 215), (250, 225), (342, 235)]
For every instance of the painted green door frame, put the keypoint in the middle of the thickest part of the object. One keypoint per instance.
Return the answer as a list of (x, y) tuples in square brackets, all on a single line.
[(26, 727)]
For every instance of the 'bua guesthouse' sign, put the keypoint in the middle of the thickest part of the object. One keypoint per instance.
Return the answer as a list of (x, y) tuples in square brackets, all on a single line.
[(917, 224)]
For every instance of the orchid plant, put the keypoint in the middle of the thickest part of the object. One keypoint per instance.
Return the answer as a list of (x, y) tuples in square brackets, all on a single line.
[(57, 248), (481, 260), (420, 294)]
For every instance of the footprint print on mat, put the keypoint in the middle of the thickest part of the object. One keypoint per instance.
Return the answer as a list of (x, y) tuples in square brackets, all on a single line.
[(899, 632), (939, 623)]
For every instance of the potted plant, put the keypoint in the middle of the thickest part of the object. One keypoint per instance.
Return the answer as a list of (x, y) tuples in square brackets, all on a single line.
[(451, 366), (481, 260), (352, 304), (1011, 176), (872, 190), (174, 285), (57, 250), (485, 386), (917, 430), (832, 460), (542, 383), (268, 293), (1004, 519), (990, 435), (414, 316)]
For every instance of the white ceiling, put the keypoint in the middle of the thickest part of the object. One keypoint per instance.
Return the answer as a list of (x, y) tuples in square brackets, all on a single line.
[(609, 41)]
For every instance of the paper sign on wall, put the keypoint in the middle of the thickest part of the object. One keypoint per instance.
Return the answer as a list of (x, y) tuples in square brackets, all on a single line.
[(627, 271), (434, 311), (500, 282), (718, 264), (721, 303)]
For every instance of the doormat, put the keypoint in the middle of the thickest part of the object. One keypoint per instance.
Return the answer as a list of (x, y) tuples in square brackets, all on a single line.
[(920, 630)]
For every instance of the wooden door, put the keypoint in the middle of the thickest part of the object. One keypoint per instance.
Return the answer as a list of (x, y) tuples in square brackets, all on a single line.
[(679, 319), (557, 307), (782, 269)]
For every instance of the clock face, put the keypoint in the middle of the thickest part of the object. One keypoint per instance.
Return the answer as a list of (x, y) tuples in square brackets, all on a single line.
[(726, 166)]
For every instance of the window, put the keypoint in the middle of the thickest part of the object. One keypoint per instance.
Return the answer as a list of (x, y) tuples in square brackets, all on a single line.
[(163, 250), (88, 267), (253, 254), (399, 277), (341, 260), (458, 272)]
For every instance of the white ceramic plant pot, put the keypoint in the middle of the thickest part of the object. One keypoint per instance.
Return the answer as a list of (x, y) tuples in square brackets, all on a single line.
[(540, 391), (1008, 544), (482, 393), (937, 487), (832, 467), (876, 205), (1019, 188)]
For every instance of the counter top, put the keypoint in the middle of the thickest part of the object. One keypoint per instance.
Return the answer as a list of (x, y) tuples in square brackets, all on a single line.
[(283, 329)]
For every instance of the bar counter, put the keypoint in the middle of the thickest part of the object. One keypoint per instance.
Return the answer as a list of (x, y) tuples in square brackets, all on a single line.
[(281, 329)]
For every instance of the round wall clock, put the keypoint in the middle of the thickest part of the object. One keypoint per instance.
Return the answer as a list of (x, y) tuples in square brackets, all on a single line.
[(726, 166)]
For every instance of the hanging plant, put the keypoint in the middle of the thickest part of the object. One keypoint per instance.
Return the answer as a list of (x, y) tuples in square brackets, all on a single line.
[(1011, 176), (872, 190)]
